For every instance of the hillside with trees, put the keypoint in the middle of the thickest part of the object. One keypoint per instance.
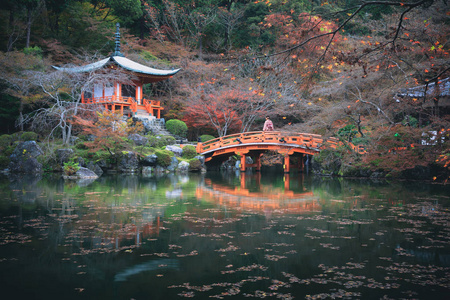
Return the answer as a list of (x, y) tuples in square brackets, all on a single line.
[(373, 73)]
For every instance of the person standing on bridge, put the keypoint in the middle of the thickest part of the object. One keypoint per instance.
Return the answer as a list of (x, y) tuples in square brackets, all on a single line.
[(268, 125)]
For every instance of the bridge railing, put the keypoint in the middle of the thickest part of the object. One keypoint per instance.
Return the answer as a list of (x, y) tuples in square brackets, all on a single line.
[(276, 137)]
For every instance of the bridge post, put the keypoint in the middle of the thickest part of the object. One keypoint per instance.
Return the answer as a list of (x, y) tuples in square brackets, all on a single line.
[(258, 162), (286, 164), (243, 164), (286, 182), (300, 163)]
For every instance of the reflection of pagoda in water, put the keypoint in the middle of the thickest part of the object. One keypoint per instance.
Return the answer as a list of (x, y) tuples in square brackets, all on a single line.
[(259, 197)]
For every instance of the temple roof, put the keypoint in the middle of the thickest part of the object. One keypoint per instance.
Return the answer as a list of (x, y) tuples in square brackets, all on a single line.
[(442, 89), (145, 73), (152, 74)]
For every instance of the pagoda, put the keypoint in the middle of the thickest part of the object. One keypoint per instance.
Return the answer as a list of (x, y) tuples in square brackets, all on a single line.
[(123, 96)]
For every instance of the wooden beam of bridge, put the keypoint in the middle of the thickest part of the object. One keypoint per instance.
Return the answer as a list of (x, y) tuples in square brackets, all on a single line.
[(257, 142)]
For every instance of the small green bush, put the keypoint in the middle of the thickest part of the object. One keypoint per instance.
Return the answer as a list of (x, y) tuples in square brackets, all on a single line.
[(29, 136), (80, 145), (83, 153), (189, 152), (154, 141), (195, 165), (71, 167), (206, 137), (164, 157), (97, 156), (144, 150), (330, 161), (36, 51), (168, 140), (160, 141), (177, 127)]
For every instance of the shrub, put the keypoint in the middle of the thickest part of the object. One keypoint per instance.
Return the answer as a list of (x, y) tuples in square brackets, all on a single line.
[(36, 51), (206, 137), (330, 161), (71, 167), (177, 127), (155, 141), (135, 126), (101, 155), (80, 145), (189, 152), (348, 132), (29, 136), (195, 165), (144, 150), (164, 157), (160, 141), (168, 140)]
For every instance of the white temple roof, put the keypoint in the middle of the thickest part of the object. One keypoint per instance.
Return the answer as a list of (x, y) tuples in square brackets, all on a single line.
[(123, 62), (442, 89), (136, 67)]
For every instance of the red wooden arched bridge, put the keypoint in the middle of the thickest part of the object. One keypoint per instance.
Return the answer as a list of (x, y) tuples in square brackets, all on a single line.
[(256, 143)]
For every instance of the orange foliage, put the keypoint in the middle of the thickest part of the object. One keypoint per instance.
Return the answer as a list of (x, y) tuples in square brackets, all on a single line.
[(292, 31), (108, 132), (396, 149)]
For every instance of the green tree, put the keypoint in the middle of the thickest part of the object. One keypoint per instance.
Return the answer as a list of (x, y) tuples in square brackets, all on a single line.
[(177, 127), (249, 32)]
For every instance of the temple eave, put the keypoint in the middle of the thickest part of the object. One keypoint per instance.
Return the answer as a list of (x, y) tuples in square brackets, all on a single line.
[(152, 78)]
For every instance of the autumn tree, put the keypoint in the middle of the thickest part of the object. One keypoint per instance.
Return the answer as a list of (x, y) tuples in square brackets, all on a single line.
[(226, 109), (15, 68), (108, 130), (229, 19), (59, 96)]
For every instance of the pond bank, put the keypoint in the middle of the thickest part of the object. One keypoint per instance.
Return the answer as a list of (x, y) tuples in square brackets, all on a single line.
[(29, 158)]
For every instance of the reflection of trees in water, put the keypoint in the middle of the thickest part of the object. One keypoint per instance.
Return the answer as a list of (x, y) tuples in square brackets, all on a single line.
[(25, 187), (108, 214), (132, 229), (257, 193)]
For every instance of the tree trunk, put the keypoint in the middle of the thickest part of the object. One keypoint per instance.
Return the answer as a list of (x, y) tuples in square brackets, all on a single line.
[(142, 28), (436, 107), (68, 134), (21, 115), (200, 47), (27, 45), (11, 25)]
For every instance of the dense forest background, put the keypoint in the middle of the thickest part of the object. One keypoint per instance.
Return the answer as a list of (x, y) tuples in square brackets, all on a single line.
[(374, 73)]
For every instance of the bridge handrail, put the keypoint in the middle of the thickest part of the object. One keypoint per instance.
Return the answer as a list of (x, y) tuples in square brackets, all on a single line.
[(307, 140), (279, 137)]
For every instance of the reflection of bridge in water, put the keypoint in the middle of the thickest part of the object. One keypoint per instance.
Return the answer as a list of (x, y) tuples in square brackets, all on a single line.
[(255, 144), (260, 197)]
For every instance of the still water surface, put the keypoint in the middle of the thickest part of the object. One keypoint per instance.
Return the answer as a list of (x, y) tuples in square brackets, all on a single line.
[(223, 236)]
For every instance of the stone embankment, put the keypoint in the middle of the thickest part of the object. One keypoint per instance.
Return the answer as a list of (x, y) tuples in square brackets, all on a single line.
[(27, 158)]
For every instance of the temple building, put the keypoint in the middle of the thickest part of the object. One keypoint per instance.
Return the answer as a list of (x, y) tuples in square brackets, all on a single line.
[(128, 98)]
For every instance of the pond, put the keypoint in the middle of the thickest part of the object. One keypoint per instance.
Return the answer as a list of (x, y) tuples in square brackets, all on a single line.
[(223, 236)]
